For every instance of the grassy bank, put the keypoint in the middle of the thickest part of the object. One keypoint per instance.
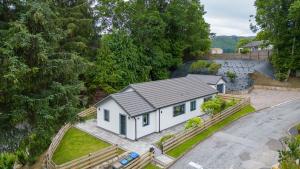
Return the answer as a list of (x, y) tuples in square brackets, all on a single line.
[(187, 145), (75, 144)]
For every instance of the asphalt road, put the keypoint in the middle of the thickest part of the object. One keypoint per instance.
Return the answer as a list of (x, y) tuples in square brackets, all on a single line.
[(249, 143)]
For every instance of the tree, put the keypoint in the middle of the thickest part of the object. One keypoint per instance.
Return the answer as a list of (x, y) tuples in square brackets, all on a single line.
[(242, 42), (39, 81), (279, 22), (118, 63)]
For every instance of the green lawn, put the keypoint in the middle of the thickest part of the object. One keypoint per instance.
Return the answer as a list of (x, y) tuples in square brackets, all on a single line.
[(151, 166), (75, 144), (187, 145)]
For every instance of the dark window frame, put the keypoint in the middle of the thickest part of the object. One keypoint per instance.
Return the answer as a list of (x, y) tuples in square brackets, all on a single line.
[(178, 110), (106, 115), (193, 105), (147, 122)]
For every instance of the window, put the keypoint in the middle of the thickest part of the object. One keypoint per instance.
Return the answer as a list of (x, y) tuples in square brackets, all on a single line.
[(179, 110), (106, 115), (207, 98), (193, 105), (145, 119)]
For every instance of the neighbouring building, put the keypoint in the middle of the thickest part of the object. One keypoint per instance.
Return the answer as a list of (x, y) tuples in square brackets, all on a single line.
[(217, 51), (257, 46), (145, 108)]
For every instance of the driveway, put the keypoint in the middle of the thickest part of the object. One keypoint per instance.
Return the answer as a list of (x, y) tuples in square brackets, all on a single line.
[(249, 143), (262, 98)]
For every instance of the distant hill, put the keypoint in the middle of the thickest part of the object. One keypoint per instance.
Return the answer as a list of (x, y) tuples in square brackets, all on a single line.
[(227, 43)]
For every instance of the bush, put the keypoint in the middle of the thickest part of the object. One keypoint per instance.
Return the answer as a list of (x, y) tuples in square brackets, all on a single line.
[(192, 123), (22, 157), (231, 76), (163, 139), (7, 160), (245, 51), (214, 106), (281, 76), (200, 65), (214, 68), (232, 102), (290, 155)]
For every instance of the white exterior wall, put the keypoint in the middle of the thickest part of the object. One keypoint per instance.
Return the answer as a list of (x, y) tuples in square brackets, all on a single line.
[(220, 82), (146, 130), (166, 114), (114, 118)]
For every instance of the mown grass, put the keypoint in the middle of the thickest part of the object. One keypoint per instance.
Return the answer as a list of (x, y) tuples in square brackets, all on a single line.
[(75, 144), (187, 145), (151, 166)]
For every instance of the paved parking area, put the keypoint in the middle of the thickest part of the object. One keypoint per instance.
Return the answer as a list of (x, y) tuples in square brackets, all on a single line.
[(249, 143), (141, 146), (262, 98)]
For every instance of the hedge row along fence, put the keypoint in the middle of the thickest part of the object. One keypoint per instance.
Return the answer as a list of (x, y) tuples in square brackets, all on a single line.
[(187, 134)]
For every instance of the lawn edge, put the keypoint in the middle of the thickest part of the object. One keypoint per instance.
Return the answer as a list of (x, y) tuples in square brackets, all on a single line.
[(178, 158)]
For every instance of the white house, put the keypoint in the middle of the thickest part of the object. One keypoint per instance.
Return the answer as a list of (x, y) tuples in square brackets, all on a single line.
[(216, 51), (145, 108)]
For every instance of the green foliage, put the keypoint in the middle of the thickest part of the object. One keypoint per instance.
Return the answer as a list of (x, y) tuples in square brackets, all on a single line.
[(288, 157), (242, 42), (245, 51), (279, 22), (203, 66), (214, 68), (227, 43), (192, 123), (163, 139), (298, 127), (213, 106), (231, 75), (22, 157), (281, 76), (7, 160)]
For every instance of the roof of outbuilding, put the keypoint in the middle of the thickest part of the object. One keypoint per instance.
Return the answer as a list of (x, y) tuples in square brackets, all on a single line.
[(254, 44), (149, 96), (209, 79), (132, 103)]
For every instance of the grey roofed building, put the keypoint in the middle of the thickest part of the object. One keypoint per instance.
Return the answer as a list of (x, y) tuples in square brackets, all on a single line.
[(149, 96), (208, 79), (254, 44)]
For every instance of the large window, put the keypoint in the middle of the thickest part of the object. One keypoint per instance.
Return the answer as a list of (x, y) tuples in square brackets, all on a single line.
[(106, 115), (145, 119), (193, 105), (179, 110)]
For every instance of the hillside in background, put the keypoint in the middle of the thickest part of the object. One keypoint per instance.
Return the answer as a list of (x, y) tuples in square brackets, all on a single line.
[(227, 43)]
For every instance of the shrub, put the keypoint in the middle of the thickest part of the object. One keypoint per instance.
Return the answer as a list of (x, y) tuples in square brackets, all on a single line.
[(214, 106), (214, 68), (7, 160), (245, 51), (163, 139), (200, 65), (231, 75), (281, 76), (22, 157), (194, 122), (290, 155), (230, 103)]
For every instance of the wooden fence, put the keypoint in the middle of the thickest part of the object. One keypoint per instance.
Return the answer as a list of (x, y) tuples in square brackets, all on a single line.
[(54, 144), (187, 134), (141, 162), (90, 111), (90, 160)]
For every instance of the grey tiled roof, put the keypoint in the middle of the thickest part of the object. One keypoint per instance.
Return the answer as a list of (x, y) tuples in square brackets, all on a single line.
[(149, 96), (209, 79), (163, 93), (132, 103), (254, 44)]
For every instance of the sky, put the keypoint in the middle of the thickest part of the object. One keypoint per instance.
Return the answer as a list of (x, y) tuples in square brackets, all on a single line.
[(229, 17)]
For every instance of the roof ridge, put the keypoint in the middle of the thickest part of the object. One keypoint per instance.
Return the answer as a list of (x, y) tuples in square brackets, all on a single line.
[(142, 97)]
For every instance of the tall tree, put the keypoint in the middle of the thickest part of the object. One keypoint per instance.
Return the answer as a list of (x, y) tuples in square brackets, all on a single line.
[(279, 22), (39, 81)]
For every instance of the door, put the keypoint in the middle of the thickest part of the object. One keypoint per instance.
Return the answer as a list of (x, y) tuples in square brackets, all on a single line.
[(122, 124), (220, 88)]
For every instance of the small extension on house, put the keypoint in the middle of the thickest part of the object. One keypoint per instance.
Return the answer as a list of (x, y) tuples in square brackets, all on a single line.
[(145, 108)]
